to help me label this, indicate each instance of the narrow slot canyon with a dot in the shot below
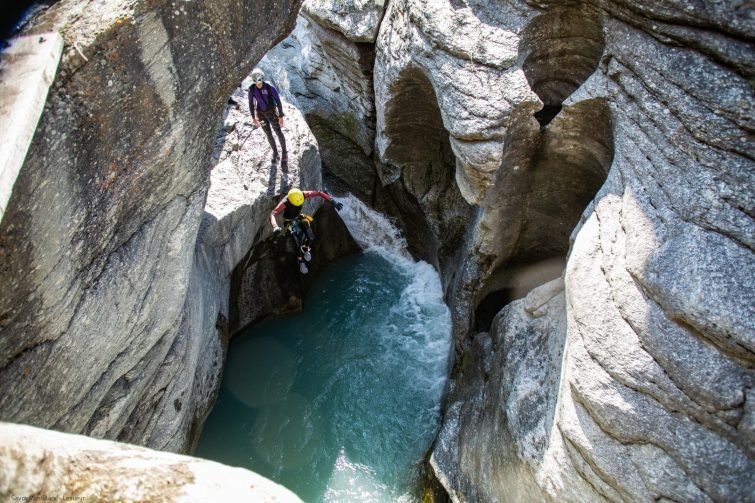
(529, 274)
(431, 208)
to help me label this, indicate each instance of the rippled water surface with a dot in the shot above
(341, 401)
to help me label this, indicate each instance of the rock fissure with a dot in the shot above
(688, 405)
(656, 393)
(625, 442)
(19, 355)
(703, 413)
(682, 37)
(634, 430)
(697, 103)
(575, 450)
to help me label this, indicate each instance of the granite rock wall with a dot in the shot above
(98, 240)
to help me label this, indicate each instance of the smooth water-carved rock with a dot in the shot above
(99, 234)
(629, 378)
(507, 389)
(466, 98)
(476, 87)
(422, 150)
(561, 49)
(530, 183)
(358, 20)
(651, 397)
(548, 178)
(329, 77)
(48, 465)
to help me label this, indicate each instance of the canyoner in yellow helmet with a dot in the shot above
(296, 223)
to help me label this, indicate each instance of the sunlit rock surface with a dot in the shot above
(635, 382)
(48, 465)
(99, 235)
(604, 153)
(609, 147)
(244, 187)
(329, 77)
(358, 20)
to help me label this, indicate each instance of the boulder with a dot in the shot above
(48, 465)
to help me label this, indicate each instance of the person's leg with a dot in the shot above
(307, 243)
(296, 236)
(279, 133)
(300, 254)
(265, 122)
(308, 231)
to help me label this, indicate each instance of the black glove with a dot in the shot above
(277, 231)
(337, 205)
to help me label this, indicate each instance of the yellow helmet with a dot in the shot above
(296, 197)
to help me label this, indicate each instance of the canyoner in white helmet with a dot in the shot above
(266, 108)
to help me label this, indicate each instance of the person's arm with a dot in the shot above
(317, 193)
(277, 100)
(253, 106)
(277, 211)
(278, 105)
(324, 195)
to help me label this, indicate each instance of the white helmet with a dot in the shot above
(258, 75)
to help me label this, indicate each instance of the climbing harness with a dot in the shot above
(301, 232)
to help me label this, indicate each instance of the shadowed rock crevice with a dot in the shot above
(542, 196)
(341, 156)
(419, 146)
(266, 281)
(561, 49)
(414, 124)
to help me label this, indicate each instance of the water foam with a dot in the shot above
(371, 351)
(372, 230)
(421, 303)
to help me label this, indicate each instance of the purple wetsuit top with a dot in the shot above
(265, 100)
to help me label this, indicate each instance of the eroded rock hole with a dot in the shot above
(413, 123)
(562, 48)
(558, 177)
(489, 307)
(546, 114)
